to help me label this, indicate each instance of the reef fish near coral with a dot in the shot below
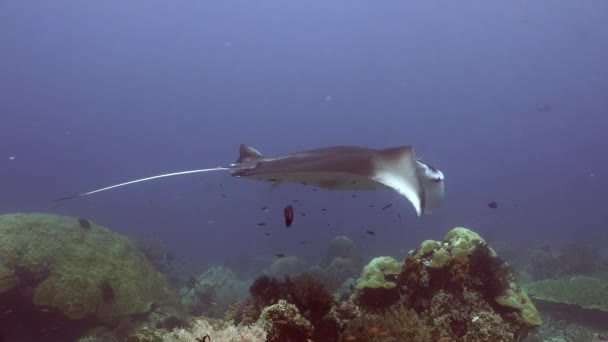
(336, 168)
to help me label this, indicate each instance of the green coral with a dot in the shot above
(8, 280)
(381, 272)
(463, 241)
(582, 291)
(521, 302)
(440, 258)
(426, 247)
(82, 271)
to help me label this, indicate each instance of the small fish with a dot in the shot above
(545, 108)
(302, 214)
(288, 214)
(315, 189)
(371, 205)
(353, 196)
(492, 205)
(370, 232)
(387, 206)
(324, 209)
(398, 215)
(265, 209)
(261, 224)
(302, 242)
(295, 200)
(280, 255)
(223, 195)
(84, 223)
(267, 234)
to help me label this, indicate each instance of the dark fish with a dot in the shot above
(107, 292)
(288, 214)
(302, 214)
(324, 209)
(398, 215)
(545, 108)
(387, 206)
(492, 205)
(267, 234)
(353, 196)
(223, 195)
(302, 242)
(371, 205)
(84, 223)
(315, 189)
(280, 255)
(262, 224)
(264, 208)
(296, 200)
(370, 232)
(170, 257)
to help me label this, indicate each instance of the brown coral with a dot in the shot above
(395, 324)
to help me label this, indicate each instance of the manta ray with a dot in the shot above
(335, 168)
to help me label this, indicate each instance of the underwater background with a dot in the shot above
(508, 99)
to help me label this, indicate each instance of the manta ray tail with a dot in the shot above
(220, 168)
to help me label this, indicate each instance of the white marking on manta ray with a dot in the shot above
(335, 168)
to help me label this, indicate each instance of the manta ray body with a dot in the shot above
(336, 168)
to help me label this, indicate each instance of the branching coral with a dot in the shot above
(217, 331)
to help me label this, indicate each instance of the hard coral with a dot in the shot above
(310, 296)
(284, 322)
(395, 324)
(266, 290)
(64, 265)
(466, 318)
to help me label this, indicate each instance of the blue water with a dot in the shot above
(97, 93)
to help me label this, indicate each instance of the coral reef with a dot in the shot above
(340, 247)
(212, 292)
(395, 324)
(287, 266)
(309, 299)
(8, 280)
(458, 283)
(582, 291)
(79, 272)
(342, 260)
(574, 258)
(207, 330)
(467, 317)
(284, 322)
(378, 283)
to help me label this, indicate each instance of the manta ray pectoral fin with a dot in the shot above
(396, 168)
(219, 168)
